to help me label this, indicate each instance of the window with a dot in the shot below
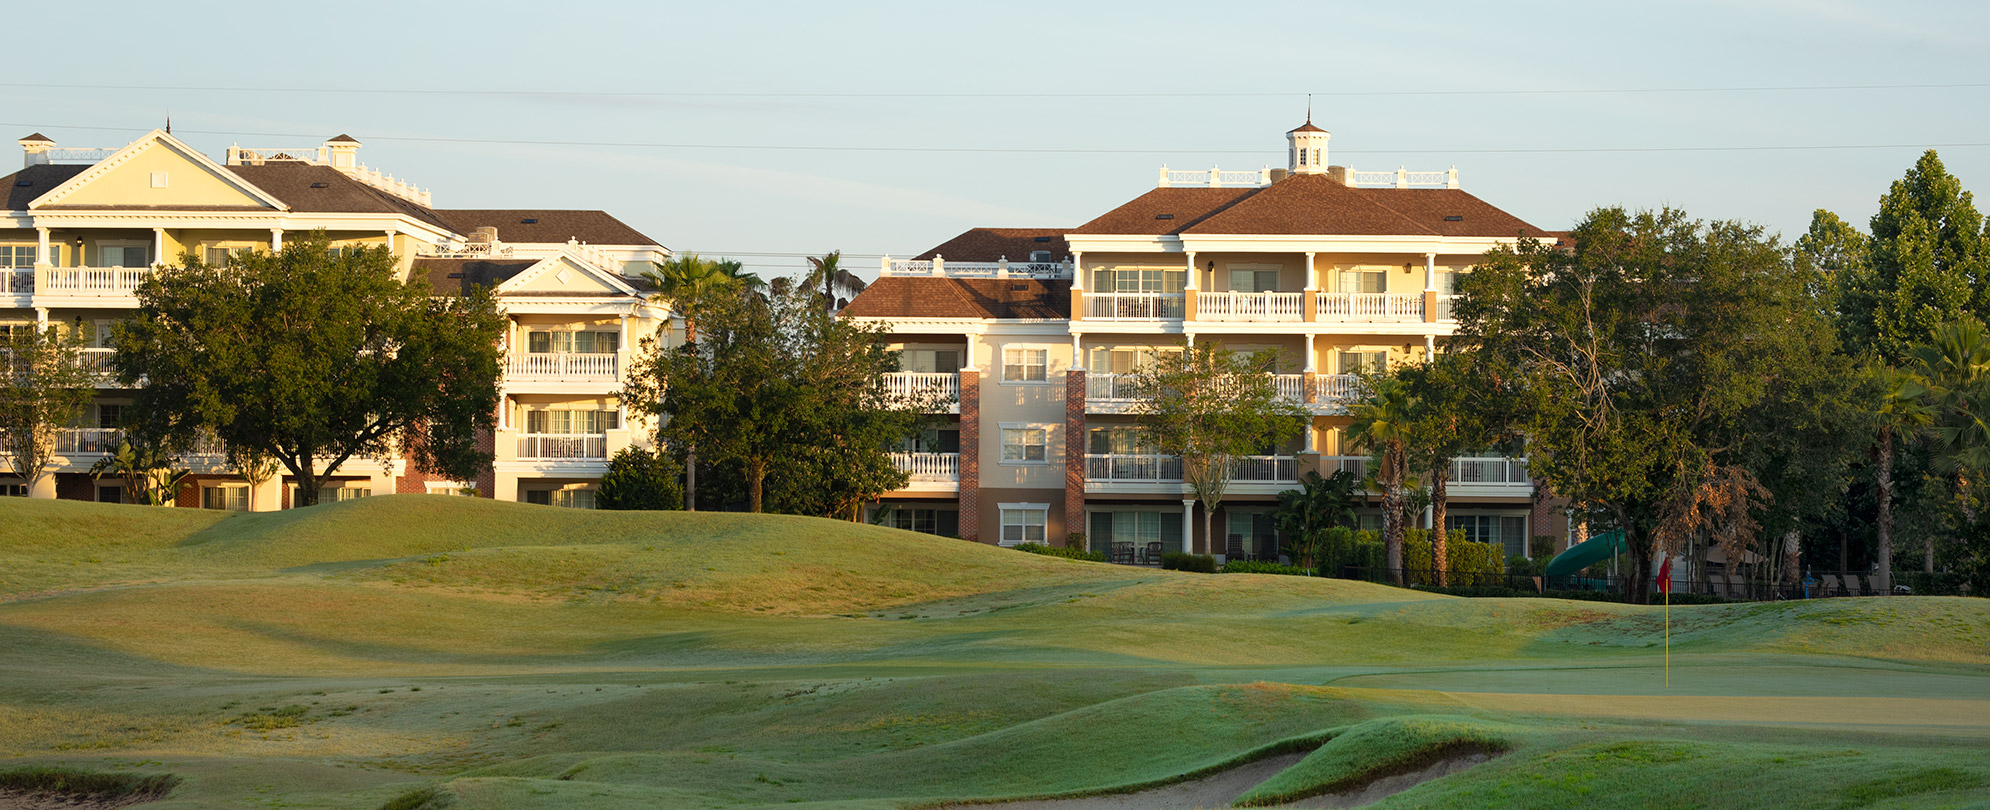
(334, 494)
(1119, 440)
(930, 440)
(568, 498)
(929, 361)
(1136, 527)
(1447, 282)
(570, 422)
(944, 522)
(1025, 365)
(1364, 361)
(1024, 522)
(232, 498)
(1139, 279)
(457, 488)
(13, 490)
(1039, 257)
(1507, 530)
(110, 494)
(1364, 280)
(1253, 280)
(124, 256)
(1025, 445)
(584, 342)
(1302, 157)
(1253, 531)
(1126, 359)
(17, 257)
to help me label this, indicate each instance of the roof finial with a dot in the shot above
(1309, 108)
(169, 122)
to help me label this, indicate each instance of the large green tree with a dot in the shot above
(1457, 410)
(44, 384)
(1645, 353)
(1925, 267)
(1210, 406)
(1383, 419)
(313, 358)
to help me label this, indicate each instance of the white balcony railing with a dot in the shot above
(69, 441)
(91, 280)
(563, 446)
(1337, 389)
(923, 386)
(1263, 469)
(1403, 178)
(1132, 467)
(1489, 471)
(1250, 306)
(1445, 303)
(1291, 387)
(1133, 306)
(1215, 177)
(1371, 306)
(562, 366)
(1109, 387)
(1003, 268)
(17, 281)
(98, 361)
(1356, 466)
(929, 467)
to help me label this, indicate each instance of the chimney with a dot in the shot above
(1278, 174)
(36, 148)
(1338, 174)
(343, 152)
(486, 235)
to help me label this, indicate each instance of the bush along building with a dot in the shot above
(1032, 332)
(85, 227)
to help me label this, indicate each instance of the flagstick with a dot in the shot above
(1668, 638)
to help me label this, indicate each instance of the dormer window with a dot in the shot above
(1040, 256)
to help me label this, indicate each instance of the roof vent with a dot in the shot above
(1018, 287)
(1164, 216)
(321, 185)
(1454, 218)
(529, 221)
(21, 183)
(1043, 239)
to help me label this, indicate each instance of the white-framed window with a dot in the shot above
(1508, 529)
(232, 497)
(1139, 279)
(1025, 364)
(589, 422)
(457, 488)
(584, 341)
(1364, 279)
(220, 254)
(1253, 278)
(1137, 526)
(124, 254)
(929, 361)
(1025, 444)
(1126, 359)
(1358, 361)
(567, 498)
(1447, 281)
(1024, 523)
(332, 494)
(945, 522)
(17, 257)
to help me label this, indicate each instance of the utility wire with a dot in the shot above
(814, 94)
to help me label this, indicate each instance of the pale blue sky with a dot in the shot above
(1427, 85)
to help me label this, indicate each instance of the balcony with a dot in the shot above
(1250, 306)
(1155, 468)
(940, 389)
(932, 468)
(90, 281)
(1444, 307)
(1264, 469)
(17, 282)
(1133, 306)
(563, 367)
(1490, 471)
(1366, 307)
(563, 446)
(1113, 393)
(83, 441)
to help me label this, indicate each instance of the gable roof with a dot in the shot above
(458, 276)
(159, 138)
(941, 297)
(311, 188)
(1316, 204)
(994, 244)
(1165, 211)
(40, 180)
(550, 226)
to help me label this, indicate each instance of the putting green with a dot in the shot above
(509, 656)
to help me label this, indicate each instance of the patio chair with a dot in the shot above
(1153, 554)
(1122, 552)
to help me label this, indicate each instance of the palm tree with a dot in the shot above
(1903, 409)
(1320, 503)
(1381, 423)
(826, 273)
(1955, 367)
(687, 279)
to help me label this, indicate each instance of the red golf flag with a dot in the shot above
(1665, 575)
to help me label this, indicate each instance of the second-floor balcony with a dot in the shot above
(1250, 306)
(563, 446)
(1133, 306)
(90, 281)
(562, 367)
(929, 468)
(1366, 307)
(941, 390)
(1157, 468)
(17, 281)
(85, 441)
(1113, 393)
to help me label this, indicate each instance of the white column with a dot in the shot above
(1430, 272)
(41, 319)
(1077, 353)
(1191, 270)
(275, 239)
(158, 246)
(1429, 347)
(973, 351)
(1077, 270)
(41, 248)
(1188, 525)
(504, 413)
(1312, 278)
(1312, 365)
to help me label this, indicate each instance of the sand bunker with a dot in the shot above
(1393, 784)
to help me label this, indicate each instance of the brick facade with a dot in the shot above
(970, 454)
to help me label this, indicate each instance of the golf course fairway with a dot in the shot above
(432, 652)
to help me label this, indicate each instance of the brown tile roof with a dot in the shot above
(37, 137)
(1306, 127)
(548, 225)
(40, 180)
(1315, 204)
(297, 185)
(457, 276)
(936, 297)
(993, 244)
(1181, 207)
(343, 139)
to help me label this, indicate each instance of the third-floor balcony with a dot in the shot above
(563, 446)
(1133, 306)
(562, 367)
(1114, 393)
(1369, 307)
(1251, 306)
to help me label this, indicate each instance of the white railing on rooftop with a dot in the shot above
(386, 182)
(1133, 306)
(90, 280)
(928, 467)
(17, 281)
(72, 154)
(1001, 268)
(562, 366)
(1250, 306)
(240, 156)
(941, 389)
(1403, 178)
(1215, 177)
(1334, 306)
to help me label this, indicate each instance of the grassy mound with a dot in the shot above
(1377, 748)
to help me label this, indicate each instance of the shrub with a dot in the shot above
(640, 479)
(1347, 547)
(1467, 562)
(1196, 563)
(1067, 552)
(72, 783)
(1264, 567)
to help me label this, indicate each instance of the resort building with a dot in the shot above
(1032, 331)
(84, 227)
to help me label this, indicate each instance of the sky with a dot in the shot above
(766, 131)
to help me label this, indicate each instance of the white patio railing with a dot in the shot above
(1291, 387)
(85, 440)
(1133, 306)
(1109, 386)
(17, 281)
(1337, 389)
(98, 361)
(1261, 469)
(556, 446)
(91, 280)
(1215, 177)
(929, 467)
(1338, 306)
(923, 386)
(1001, 268)
(1132, 467)
(563, 366)
(1490, 470)
(1356, 466)
(1250, 306)
(1445, 305)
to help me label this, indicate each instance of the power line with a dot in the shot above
(839, 94)
(1059, 150)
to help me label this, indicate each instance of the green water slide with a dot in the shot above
(1590, 552)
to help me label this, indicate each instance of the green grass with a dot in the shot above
(446, 652)
(74, 783)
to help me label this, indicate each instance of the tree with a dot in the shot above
(1955, 369)
(314, 358)
(1382, 423)
(1209, 405)
(1320, 503)
(1926, 264)
(640, 478)
(1643, 357)
(148, 470)
(827, 274)
(45, 385)
(1456, 411)
(692, 283)
(255, 466)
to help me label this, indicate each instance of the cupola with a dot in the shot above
(1306, 148)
